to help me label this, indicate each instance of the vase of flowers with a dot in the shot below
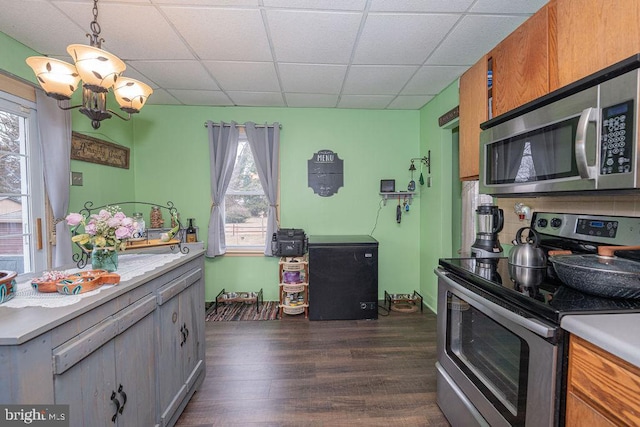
(105, 233)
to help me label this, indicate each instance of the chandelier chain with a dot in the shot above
(95, 38)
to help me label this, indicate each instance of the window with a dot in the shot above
(21, 187)
(245, 203)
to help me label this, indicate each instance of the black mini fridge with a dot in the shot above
(343, 277)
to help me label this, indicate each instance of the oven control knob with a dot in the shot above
(542, 223)
(556, 222)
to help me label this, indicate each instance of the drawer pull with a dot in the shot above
(115, 400)
(124, 398)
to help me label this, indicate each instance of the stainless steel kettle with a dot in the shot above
(527, 254)
(527, 262)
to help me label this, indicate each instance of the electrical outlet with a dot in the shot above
(76, 178)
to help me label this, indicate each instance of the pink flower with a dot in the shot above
(127, 222)
(113, 222)
(119, 215)
(74, 219)
(91, 228)
(122, 233)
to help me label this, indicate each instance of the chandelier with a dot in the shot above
(99, 71)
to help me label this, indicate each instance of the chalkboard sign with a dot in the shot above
(325, 172)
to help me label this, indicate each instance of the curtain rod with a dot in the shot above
(241, 126)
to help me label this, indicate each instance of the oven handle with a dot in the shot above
(587, 116)
(533, 325)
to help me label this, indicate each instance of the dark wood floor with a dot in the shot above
(295, 372)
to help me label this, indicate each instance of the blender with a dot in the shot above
(489, 222)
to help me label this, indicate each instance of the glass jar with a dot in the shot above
(156, 217)
(139, 225)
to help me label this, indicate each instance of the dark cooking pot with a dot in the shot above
(602, 275)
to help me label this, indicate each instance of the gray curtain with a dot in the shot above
(54, 127)
(265, 146)
(223, 148)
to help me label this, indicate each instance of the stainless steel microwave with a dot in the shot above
(583, 137)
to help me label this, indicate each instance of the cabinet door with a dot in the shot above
(593, 34)
(180, 339)
(522, 62)
(135, 372)
(473, 111)
(87, 388)
(106, 374)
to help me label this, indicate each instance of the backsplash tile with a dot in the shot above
(624, 205)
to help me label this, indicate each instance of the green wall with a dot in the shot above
(436, 201)
(169, 161)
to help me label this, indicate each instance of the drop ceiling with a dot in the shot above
(372, 54)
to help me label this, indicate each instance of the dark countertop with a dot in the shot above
(345, 240)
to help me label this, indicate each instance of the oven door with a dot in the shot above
(503, 367)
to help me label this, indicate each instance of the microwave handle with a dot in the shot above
(587, 116)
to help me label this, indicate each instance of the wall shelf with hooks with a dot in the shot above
(395, 194)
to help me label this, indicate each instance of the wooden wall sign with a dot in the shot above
(450, 115)
(325, 173)
(94, 150)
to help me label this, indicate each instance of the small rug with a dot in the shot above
(242, 311)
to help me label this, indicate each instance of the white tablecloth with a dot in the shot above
(129, 266)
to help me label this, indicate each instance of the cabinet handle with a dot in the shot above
(124, 398)
(184, 337)
(115, 400)
(186, 330)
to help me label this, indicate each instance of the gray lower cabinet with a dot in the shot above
(112, 384)
(133, 355)
(180, 344)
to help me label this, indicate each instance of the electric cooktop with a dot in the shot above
(490, 277)
(541, 292)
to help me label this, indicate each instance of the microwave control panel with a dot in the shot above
(616, 142)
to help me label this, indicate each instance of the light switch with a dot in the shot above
(76, 178)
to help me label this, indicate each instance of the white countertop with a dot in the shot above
(619, 334)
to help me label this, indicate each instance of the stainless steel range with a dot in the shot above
(501, 352)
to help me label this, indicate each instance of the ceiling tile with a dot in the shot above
(401, 39)
(317, 4)
(257, 99)
(377, 80)
(459, 48)
(201, 97)
(507, 6)
(162, 97)
(40, 26)
(232, 3)
(176, 74)
(312, 78)
(324, 53)
(409, 102)
(430, 80)
(244, 76)
(222, 34)
(420, 5)
(126, 35)
(369, 102)
(313, 37)
(311, 100)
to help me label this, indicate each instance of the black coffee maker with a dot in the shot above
(489, 222)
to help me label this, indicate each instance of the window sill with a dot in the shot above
(244, 252)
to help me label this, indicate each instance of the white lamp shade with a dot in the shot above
(59, 79)
(98, 68)
(131, 94)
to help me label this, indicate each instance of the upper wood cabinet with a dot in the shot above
(473, 111)
(593, 34)
(524, 64)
